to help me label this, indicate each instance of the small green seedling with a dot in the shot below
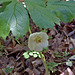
(71, 48)
(50, 37)
(2, 47)
(61, 56)
(52, 66)
(70, 61)
(8, 70)
(28, 53)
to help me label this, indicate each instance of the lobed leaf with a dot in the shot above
(1, 1)
(4, 6)
(52, 0)
(14, 18)
(42, 17)
(64, 10)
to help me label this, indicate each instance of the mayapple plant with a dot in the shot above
(37, 41)
(44, 13)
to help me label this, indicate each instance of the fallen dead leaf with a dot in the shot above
(67, 72)
(28, 71)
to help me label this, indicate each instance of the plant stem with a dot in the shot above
(44, 62)
(42, 58)
(30, 30)
(18, 41)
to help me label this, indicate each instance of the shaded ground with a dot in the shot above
(61, 48)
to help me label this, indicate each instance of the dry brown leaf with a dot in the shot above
(36, 72)
(2, 72)
(67, 72)
(73, 41)
(37, 62)
(29, 71)
(18, 48)
(14, 42)
(7, 42)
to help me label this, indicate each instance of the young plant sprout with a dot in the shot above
(37, 41)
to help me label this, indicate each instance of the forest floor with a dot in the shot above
(60, 54)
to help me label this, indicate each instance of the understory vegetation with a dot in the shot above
(37, 37)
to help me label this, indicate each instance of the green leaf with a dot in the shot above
(69, 63)
(40, 56)
(52, 65)
(26, 55)
(52, 0)
(8, 70)
(59, 56)
(35, 55)
(56, 52)
(34, 51)
(31, 53)
(66, 54)
(64, 10)
(42, 17)
(72, 57)
(37, 2)
(2, 47)
(1, 1)
(71, 48)
(14, 18)
(4, 6)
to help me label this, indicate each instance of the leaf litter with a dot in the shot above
(61, 48)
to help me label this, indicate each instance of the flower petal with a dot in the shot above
(31, 42)
(33, 45)
(43, 35)
(44, 44)
(38, 47)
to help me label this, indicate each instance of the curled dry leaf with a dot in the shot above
(2, 72)
(36, 72)
(37, 62)
(73, 41)
(28, 71)
(67, 72)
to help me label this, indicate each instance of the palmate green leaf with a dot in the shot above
(4, 6)
(8, 70)
(64, 10)
(1, 1)
(41, 16)
(14, 18)
(36, 2)
(52, 0)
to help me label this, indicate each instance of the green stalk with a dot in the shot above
(42, 58)
(44, 62)
(30, 30)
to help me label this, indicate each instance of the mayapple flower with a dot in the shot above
(37, 41)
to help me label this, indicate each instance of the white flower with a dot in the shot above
(37, 41)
